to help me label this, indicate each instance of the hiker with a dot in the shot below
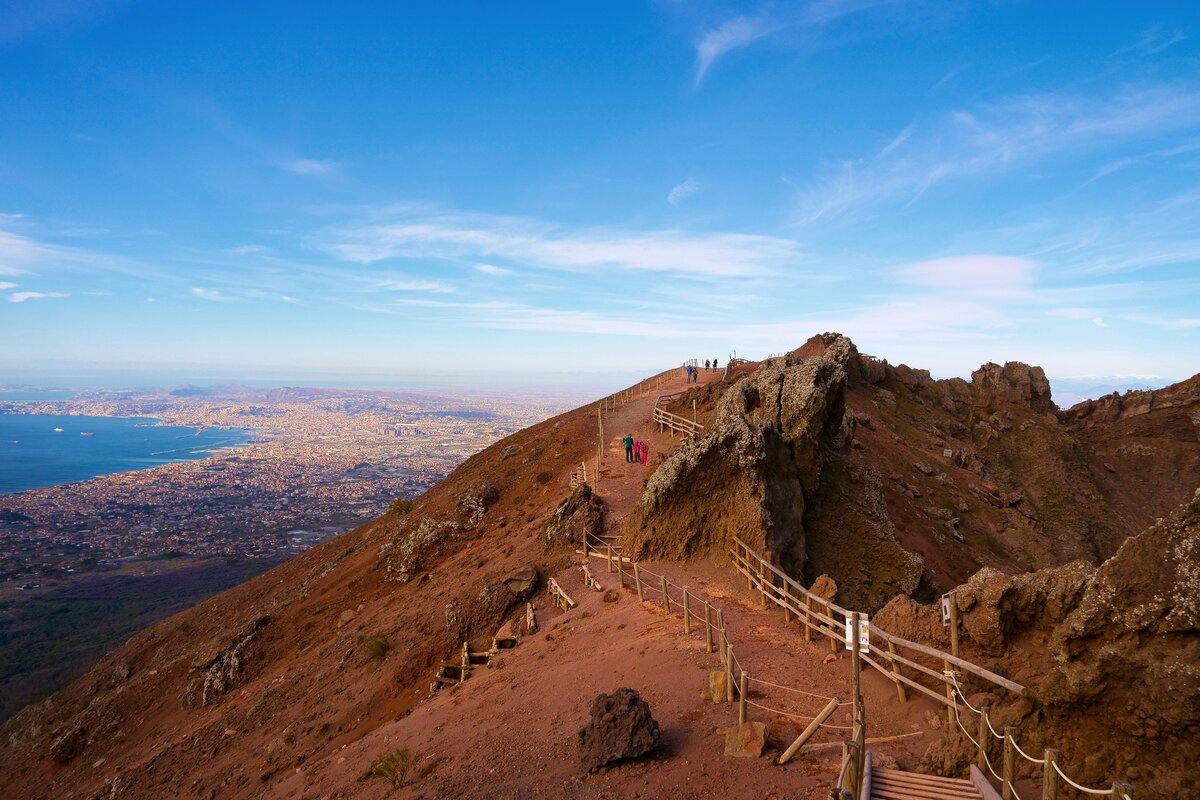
(695, 375)
(714, 363)
(689, 372)
(645, 452)
(628, 442)
(706, 365)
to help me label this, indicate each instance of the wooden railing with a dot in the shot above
(676, 423)
(828, 619)
(579, 475)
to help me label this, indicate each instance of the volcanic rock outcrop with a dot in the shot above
(1110, 656)
(621, 727)
(772, 467)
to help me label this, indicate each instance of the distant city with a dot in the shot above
(318, 462)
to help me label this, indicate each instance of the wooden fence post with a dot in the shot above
(762, 585)
(687, 622)
(1009, 764)
(728, 669)
(742, 700)
(666, 597)
(946, 667)
(807, 618)
(708, 627)
(620, 572)
(585, 544)
(721, 634)
(901, 693)
(795, 746)
(1050, 776)
(833, 634)
(610, 567)
(787, 602)
(981, 739)
(637, 581)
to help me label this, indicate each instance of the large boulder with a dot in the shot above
(621, 727)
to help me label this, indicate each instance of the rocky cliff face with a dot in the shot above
(773, 472)
(1110, 656)
(890, 481)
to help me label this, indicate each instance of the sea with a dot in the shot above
(34, 454)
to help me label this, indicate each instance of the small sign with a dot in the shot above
(945, 611)
(864, 634)
(948, 453)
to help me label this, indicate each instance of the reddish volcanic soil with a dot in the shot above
(509, 730)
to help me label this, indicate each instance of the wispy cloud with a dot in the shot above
(249, 250)
(729, 36)
(310, 166)
(493, 270)
(416, 233)
(1153, 41)
(7, 285)
(996, 137)
(212, 295)
(976, 275)
(715, 42)
(683, 191)
(406, 285)
(21, 297)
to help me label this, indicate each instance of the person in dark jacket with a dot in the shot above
(628, 442)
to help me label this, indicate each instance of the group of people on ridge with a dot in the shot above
(636, 452)
(693, 373)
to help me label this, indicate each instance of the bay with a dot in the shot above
(33, 454)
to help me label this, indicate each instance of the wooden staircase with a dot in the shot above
(452, 674)
(895, 784)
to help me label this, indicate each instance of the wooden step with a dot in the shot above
(503, 643)
(894, 784)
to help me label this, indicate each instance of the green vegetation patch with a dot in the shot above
(376, 647)
(399, 767)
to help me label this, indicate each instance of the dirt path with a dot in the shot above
(621, 482)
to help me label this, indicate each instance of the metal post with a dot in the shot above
(953, 625)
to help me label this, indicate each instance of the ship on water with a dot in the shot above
(86, 433)
(58, 430)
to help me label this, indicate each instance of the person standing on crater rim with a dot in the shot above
(628, 442)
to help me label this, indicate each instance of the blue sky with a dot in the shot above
(364, 190)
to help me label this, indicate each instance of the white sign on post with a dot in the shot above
(945, 611)
(948, 453)
(864, 634)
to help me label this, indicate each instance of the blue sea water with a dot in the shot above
(33, 454)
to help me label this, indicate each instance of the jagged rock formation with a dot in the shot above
(772, 468)
(1110, 656)
(834, 462)
(580, 515)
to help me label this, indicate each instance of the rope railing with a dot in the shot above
(652, 586)
(818, 614)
